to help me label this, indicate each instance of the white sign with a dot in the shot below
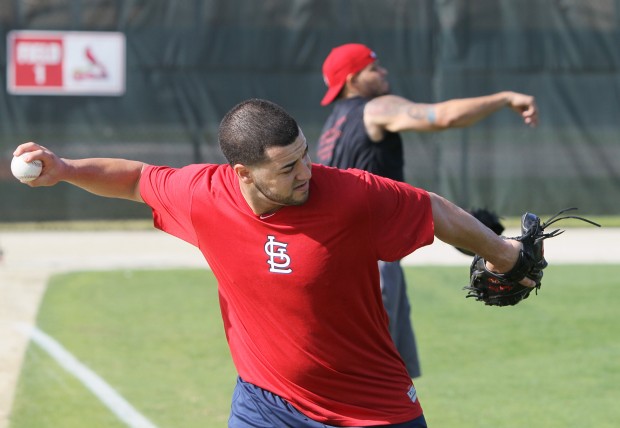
(65, 63)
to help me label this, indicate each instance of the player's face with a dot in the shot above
(284, 179)
(372, 81)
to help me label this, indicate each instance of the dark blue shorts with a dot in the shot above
(257, 408)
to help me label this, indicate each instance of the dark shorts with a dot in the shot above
(257, 408)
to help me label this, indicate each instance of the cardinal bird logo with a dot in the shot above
(94, 68)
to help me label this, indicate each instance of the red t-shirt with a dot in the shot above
(299, 290)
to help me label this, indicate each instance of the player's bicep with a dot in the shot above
(136, 194)
(397, 114)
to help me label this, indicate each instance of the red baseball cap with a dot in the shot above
(342, 61)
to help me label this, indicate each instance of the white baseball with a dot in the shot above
(25, 171)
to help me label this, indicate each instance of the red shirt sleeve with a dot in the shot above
(168, 191)
(401, 224)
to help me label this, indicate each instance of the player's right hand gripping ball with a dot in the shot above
(25, 171)
(504, 289)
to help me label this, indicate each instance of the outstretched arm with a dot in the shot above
(457, 227)
(112, 178)
(467, 111)
(396, 114)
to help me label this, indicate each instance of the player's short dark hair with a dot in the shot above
(253, 126)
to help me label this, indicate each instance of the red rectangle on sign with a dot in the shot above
(38, 62)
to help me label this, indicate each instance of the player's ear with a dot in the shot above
(243, 173)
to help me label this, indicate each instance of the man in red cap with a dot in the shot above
(363, 132)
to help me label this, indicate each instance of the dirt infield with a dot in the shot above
(29, 258)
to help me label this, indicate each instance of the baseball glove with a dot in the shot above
(489, 219)
(504, 289)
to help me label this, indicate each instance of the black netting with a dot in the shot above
(189, 62)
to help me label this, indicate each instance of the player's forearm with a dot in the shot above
(457, 227)
(113, 178)
(462, 112)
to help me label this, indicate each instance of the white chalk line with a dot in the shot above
(104, 392)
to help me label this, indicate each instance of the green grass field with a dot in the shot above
(157, 338)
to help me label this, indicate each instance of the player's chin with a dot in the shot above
(303, 197)
(301, 194)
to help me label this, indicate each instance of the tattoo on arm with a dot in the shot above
(422, 111)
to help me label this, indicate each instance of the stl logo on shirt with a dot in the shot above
(278, 260)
